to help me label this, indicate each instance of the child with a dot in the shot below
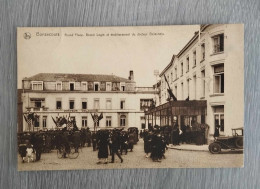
(29, 151)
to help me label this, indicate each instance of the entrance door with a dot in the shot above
(219, 118)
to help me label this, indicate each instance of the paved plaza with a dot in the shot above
(87, 159)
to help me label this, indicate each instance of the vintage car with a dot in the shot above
(234, 142)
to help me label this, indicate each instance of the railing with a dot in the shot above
(145, 89)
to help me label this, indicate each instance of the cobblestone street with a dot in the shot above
(174, 159)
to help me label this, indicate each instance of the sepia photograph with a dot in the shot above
(130, 97)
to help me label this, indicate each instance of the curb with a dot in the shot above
(188, 149)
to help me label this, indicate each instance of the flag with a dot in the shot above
(100, 116)
(69, 124)
(95, 118)
(54, 121)
(169, 90)
(29, 121)
(171, 94)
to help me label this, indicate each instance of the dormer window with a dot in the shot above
(72, 86)
(37, 85)
(96, 86)
(108, 86)
(84, 86)
(122, 86)
(58, 86)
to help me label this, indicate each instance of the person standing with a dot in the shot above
(216, 133)
(131, 140)
(94, 140)
(102, 139)
(115, 146)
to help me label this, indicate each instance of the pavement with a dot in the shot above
(190, 147)
(87, 159)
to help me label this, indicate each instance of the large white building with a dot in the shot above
(78, 95)
(210, 67)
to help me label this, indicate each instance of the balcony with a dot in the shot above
(35, 109)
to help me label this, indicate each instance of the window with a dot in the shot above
(203, 83)
(182, 95)
(58, 86)
(109, 104)
(218, 43)
(84, 121)
(37, 102)
(44, 121)
(71, 86)
(195, 86)
(96, 86)
(84, 104)
(145, 103)
(108, 86)
(58, 104)
(181, 68)
(219, 117)
(122, 120)
(108, 121)
(188, 64)
(188, 87)
(122, 86)
(202, 51)
(175, 91)
(219, 79)
(122, 104)
(96, 103)
(71, 104)
(84, 86)
(194, 58)
(142, 121)
(37, 121)
(37, 85)
(175, 72)
(162, 85)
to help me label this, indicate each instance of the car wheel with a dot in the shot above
(239, 143)
(214, 148)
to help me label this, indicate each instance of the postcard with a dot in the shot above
(130, 97)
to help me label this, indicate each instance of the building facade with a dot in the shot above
(210, 67)
(77, 96)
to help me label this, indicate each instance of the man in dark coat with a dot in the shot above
(94, 141)
(102, 141)
(37, 142)
(115, 146)
(123, 142)
(216, 133)
(147, 142)
(131, 141)
(175, 136)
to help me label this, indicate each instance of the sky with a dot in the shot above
(100, 50)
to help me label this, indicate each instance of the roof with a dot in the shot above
(195, 36)
(168, 66)
(76, 77)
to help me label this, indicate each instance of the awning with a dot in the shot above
(181, 107)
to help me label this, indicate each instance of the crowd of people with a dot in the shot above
(106, 141)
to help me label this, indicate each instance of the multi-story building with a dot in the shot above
(121, 103)
(210, 67)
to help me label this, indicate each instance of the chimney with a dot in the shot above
(131, 75)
